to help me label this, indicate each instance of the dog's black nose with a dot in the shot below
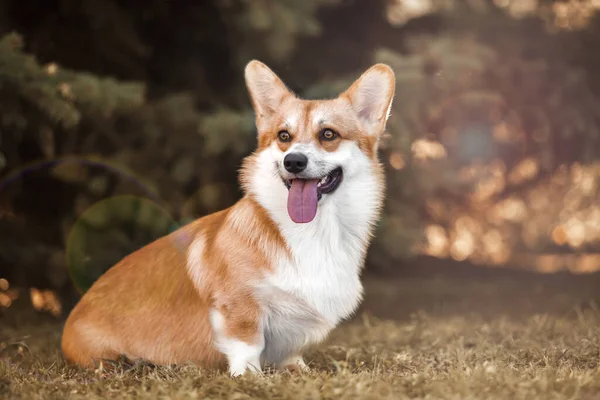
(295, 162)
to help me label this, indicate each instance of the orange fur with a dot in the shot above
(148, 307)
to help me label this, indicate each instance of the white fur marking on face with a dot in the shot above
(195, 263)
(292, 121)
(319, 116)
(321, 162)
(241, 356)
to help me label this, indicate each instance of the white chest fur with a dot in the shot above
(319, 286)
(325, 267)
(315, 290)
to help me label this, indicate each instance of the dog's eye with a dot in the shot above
(284, 136)
(328, 134)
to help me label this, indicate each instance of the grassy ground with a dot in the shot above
(515, 337)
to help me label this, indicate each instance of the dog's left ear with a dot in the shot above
(266, 90)
(371, 97)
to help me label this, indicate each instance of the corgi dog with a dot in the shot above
(258, 283)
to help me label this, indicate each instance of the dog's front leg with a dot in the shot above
(239, 336)
(242, 356)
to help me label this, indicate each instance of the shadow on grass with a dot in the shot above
(447, 288)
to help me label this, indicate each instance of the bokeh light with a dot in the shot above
(45, 300)
(7, 294)
(562, 210)
(565, 15)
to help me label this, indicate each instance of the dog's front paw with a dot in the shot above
(241, 369)
(294, 364)
(296, 368)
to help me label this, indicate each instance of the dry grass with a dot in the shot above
(507, 338)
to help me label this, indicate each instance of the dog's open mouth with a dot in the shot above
(304, 194)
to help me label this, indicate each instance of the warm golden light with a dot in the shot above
(575, 230)
(490, 181)
(37, 300)
(548, 264)
(424, 149)
(45, 300)
(559, 235)
(401, 11)
(494, 247)
(6, 295)
(512, 209)
(592, 224)
(587, 263)
(562, 209)
(5, 300)
(437, 241)
(588, 183)
(565, 15)
(504, 133)
(486, 210)
(524, 171)
(463, 244)
(51, 69)
(574, 263)
(396, 160)
(573, 14)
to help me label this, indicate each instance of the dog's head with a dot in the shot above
(310, 150)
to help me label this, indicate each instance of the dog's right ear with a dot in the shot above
(371, 96)
(266, 90)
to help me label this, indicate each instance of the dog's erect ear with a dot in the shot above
(266, 90)
(371, 97)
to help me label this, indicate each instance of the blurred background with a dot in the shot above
(122, 120)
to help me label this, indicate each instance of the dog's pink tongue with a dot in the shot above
(302, 200)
